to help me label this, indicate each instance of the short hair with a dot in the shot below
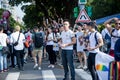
(92, 24)
(66, 20)
(1, 27)
(17, 28)
(36, 28)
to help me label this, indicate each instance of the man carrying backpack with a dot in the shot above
(38, 47)
(95, 42)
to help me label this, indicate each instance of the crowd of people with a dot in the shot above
(62, 42)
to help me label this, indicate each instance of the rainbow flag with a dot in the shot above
(114, 71)
(102, 61)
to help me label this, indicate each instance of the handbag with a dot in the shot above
(16, 43)
(5, 50)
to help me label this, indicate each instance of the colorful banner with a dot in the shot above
(102, 65)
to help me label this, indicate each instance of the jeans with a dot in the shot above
(20, 58)
(91, 66)
(67, 60)
(3, 61)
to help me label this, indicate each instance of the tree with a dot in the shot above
(102, 8)
(53, 9)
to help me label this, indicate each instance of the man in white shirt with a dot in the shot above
(67, 41)
(115, 33)
(19, 37)
(95, 41)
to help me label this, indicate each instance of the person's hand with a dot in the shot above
(63, 45)
(89, 49)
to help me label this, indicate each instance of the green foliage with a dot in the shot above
(102, 8)
(51, 9)
(100, 27)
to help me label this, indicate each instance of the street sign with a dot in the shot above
(82, 1)
(83, 17)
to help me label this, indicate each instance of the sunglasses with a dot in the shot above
(117, 23)
(65, 24)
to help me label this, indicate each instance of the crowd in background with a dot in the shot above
(60, 42)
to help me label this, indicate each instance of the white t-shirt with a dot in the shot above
(114, 39)
(3, 38)
(50, 39)
(66, 37)
(104, 31)
(14, 37)
(92, 41)
(80, 47)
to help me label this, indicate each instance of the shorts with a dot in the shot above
(38, 52)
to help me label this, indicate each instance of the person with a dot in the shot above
(28, 48)
(117, 50)
(49, 48)
(81, 47)
(66, 43)
(115, 33)
(56, 35)
(38, 48)
(18, 37)
(106, 34)
(3, 57)
(95, 42)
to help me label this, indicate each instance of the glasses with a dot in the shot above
(65, 24)
(117, 23)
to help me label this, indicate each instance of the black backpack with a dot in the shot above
(38, 41)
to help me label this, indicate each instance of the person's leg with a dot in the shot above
(80, 59)
(1, 62)
(18, 59)
(5, 62)
(91, 65)
(40, 52)
(34, 54)
(85, 60)
(22, 58)
(69, 54)
(65, 64)
(26, 55)
(50, 53)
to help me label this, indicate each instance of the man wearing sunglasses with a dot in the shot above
(115, 33)
(66, 43)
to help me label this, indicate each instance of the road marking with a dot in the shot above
(13, 76)
(84, 75)
(48, 75)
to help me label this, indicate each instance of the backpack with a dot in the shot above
(38, 41)
(108, 40)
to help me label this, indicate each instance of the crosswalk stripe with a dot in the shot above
(13, 76)
(48, 75)
(84, 75)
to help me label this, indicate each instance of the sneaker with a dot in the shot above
(52, 66)
(39, 68)
(1, 71)
(80, 66)
(49, 66)
(36, 65)
(5, 70)
(85, 67)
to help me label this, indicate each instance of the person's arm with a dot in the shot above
(100, 43)
(110, 20)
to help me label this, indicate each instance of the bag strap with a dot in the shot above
(18, 37)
